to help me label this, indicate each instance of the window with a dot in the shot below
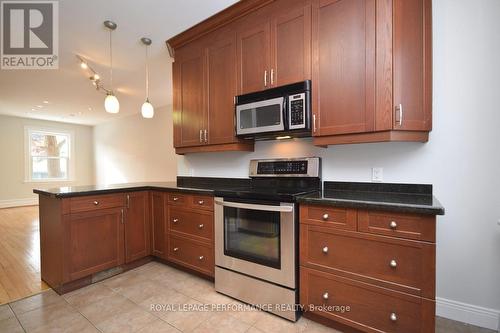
(48, 155)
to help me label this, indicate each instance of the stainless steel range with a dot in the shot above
(256, 234)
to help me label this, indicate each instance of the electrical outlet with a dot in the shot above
(377, 174)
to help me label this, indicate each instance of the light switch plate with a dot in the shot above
(377, 174)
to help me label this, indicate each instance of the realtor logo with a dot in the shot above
(29, 35)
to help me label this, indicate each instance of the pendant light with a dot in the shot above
(147, 109)
(111, 103)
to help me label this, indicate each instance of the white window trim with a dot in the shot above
(28, 130)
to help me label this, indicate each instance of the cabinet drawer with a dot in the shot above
(339, 218)
(204, 202)
(86, 203)
(191, 254)
(402, 265)
(410, 226)
(364, 306)
(178, 199)
(191, 223)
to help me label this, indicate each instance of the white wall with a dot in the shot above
(461, 159)
(13, 188)
(134, 149)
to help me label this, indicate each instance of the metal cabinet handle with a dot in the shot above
(176, 249)
(201, 135)
(96, 202)
(206, 135)
(326, 216)
(200, 226)
(122, 217)
(325, 296)
(175, 199)
(201, 202)
(399, 110)
(393, 263)
(314, 123)
(393, 317)
(393, 225)
(128, 201)
(325, 249)
(201, 257)
(265, 78)
(272, 76)
(175, 220)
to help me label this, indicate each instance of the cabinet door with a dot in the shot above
(137, 226)
(291, 45)
(343, 66)
(94, 242)
(412, 64)
(253, 39)
(158, 219)
(189, 90)
(222, 87)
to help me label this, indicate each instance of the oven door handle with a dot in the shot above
(267, 208)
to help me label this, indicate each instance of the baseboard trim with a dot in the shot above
(468, 313)
(18, 202)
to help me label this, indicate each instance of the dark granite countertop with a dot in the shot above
(407, 198)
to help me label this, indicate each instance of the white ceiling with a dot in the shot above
(70, 94)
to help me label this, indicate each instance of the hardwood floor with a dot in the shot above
(19, 254)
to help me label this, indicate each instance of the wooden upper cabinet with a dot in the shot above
(222, 87)
(189, 96)
(137, 226)
(344, 66)
(412, 64)
(291, 44)
(254, 54)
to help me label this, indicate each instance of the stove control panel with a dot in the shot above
(297, 167)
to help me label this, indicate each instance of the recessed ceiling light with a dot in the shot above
(45, 102)
(33, 109)
(39, 106)
(89, 108)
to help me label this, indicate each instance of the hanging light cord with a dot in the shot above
(147, 72)
(111, 59)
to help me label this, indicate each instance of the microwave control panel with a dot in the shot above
(297, 111)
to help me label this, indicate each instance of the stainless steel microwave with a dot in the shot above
(279, 112)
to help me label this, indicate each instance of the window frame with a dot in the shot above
(28, 159)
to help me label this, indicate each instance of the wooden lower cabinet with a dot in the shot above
(378, 264)
(137, 226)
(94, 242)
(364, 306)
(192, 254)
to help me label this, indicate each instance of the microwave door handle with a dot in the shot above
(285, 112)
(266, 208)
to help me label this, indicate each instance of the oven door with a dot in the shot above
(257, 239)
(260, 117)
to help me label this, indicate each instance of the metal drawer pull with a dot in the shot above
(393, 225)
(394, 317)
(200, 226)
(96, 202)
(393, 263)
(325, 249)
(176, 249)
(175, 199)
(175, 220)
(325, 296)
(201, 202)
(325, 216)
(201, 257)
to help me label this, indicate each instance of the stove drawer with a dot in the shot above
(191, 224)
(403, 265)
(332, 217)
(364, 306)
(410, 226)
(191, 254)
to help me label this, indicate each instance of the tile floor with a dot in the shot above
(123, 304)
